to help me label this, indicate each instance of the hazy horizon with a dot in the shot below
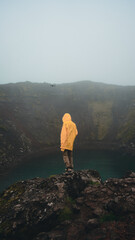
(61, 42)
(53, 84)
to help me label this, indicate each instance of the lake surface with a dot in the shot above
(109, 164)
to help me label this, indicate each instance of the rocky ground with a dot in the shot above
(76, 206)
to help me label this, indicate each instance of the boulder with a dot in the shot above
(76, 206)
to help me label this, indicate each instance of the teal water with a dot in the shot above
(108, 164)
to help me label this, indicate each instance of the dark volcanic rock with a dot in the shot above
(69, 206)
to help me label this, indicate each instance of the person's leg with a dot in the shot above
(66, 159)
(70, 156)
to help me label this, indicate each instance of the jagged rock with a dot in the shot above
(75, 206)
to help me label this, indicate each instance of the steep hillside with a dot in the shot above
(31, 113)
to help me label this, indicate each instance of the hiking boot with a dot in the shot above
(70, 170)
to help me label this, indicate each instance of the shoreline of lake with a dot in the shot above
(108, 163)
(98, 146)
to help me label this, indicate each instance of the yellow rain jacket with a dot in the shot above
(68, 133)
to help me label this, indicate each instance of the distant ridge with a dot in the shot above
(68, 83)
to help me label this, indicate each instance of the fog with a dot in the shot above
(67, 41)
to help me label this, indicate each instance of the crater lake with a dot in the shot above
(109, 164)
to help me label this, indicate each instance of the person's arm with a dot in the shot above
(63, 137)
(76, 130)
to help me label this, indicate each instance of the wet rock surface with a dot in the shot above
(75, 206)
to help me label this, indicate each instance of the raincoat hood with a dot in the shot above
(66, 117)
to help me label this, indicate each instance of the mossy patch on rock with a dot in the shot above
(10, 196)
(127, 130)
(102, 118)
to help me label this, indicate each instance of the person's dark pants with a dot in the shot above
(68, 159)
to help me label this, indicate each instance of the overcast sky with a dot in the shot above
(58, 41)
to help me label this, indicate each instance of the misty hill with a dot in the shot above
(31, 113)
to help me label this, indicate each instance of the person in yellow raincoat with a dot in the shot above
(67, 137)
